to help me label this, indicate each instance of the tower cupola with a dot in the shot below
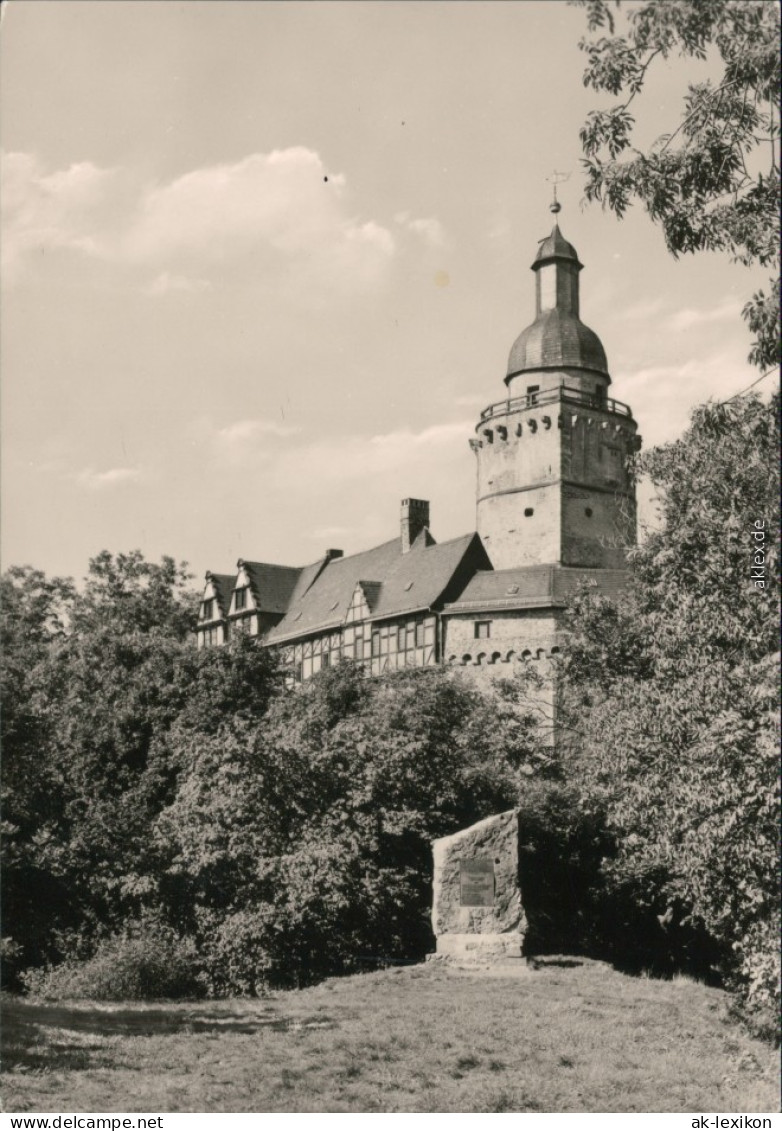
(553, 482)
(557, 340)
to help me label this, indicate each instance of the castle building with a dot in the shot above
(555, 509)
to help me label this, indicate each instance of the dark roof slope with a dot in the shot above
(546, 586)
(272, 585)
(557, 339)
(402, 583)
(555, 246)
(223, 584)
(371, 591)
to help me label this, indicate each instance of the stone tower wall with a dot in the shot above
(519, 467)
(553, 485)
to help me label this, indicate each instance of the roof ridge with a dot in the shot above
(269, 565)
(450, 541)
(380, 545)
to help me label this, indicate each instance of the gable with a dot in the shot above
(272, 586)
(216, 597)
(242, 597)
(363, 601)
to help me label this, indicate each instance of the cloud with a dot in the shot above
(283, 200)
(353, 484)
(689, 318)
(500, 229)
(46, 211)
(323, 464)
(326, 464)
(103, 480)
(642, 311)
(283, 203)
(242, 430)
(248, 443)
(663, 396)
(322, 532)
(167, 283)
(428, 228)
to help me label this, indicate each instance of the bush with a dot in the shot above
(560, 853)
(142, 963)
(582, 897)
(758, 977)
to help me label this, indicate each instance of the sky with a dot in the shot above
(263, 263)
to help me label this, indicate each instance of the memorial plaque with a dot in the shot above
(477, 882)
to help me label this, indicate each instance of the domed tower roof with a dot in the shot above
(557, 339)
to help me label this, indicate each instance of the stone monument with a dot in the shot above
(477, 914)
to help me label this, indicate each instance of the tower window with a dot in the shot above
(532, 394)
(528, 512)
(588, 512)
(482, 629)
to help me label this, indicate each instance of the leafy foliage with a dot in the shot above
(674, 694)
(144, 962)
(93, 682)
(303, 842)
(712, 183)
(279, 835)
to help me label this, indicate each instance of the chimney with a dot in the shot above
(415, 518)
(332, 554)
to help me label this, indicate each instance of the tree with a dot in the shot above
(713, 181)
(674, 695)
(126, 594)
(36, 613)
(300, 845)
(94, 682)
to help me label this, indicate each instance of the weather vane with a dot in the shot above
(554, 180)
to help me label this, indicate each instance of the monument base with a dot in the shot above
(468, 948)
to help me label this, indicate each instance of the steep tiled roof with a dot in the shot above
(533, 587)
(273, 585)
(223, 584)
(427, 573)
(555, 246)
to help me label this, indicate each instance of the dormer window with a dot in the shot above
(240, 598)
(208, 610)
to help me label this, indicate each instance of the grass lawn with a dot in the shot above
(415, 1039)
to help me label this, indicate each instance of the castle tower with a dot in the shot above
(553, 485)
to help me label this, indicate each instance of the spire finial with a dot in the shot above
(554, 180)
